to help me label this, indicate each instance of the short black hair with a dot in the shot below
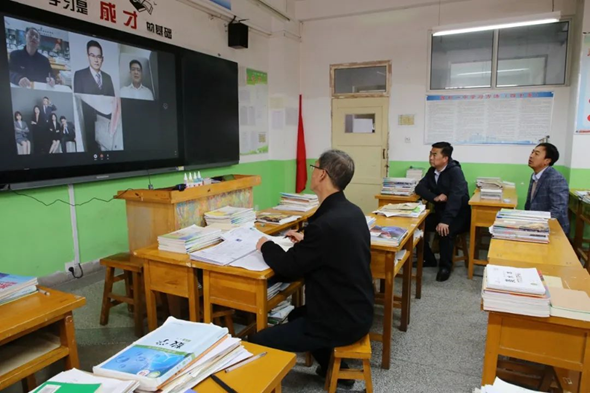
(16, 114)
(62, 118)
(550, 152)
(53, 114)
(339, 167)
(31, 28)
(93, 43)
(447, 149)
(135, 62)
(46, 98)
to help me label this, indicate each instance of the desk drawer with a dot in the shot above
(168, 278)
(233, 291)
(484, 216)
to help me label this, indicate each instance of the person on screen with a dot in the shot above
(47, 108)
(54, 134)
(68, 133)
(92, 80)
(548, 189)
(21, 131)
(136, 89)
(28, 65)
(37, 130)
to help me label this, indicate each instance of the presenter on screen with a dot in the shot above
(92, 80)
(27, 65)
(136, 89)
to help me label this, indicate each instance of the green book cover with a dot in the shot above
(62, 387)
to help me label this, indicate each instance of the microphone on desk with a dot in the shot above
(179, 187)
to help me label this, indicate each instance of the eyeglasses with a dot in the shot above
(92, 55)
(321, 169)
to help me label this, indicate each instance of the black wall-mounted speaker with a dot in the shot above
(237, 35)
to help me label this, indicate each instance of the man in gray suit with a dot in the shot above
(548, 189)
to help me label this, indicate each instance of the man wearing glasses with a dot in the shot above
(334, 259)
(444, 186)
(92, 80)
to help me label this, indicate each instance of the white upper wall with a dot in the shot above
(399, 32)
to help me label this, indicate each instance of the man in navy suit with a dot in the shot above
(548, 189)
(68, 133)
(46, 110)
(92, 80)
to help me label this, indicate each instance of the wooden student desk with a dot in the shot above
(559, 342)
(557, 252)
(383, 267)
(576, 210)
(263, 375)
(384, 199)
(237, 288)
(272, 229)
(483, 215)
(25, 317)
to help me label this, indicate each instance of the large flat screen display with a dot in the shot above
(74, 103)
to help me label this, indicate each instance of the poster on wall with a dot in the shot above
(253, 103)
(482, 119)
(583, 116)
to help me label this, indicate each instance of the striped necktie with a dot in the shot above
(99, 80)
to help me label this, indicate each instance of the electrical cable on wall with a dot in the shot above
(70, 204)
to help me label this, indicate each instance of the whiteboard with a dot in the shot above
(480, 119)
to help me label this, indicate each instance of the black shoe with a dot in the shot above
(443, 274)
(347, 383)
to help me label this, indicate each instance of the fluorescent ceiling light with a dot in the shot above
(529, 20)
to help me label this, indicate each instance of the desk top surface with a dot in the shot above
(571, 277)
(35, 309)
(398, 198)
(261, 375)
(509, 199)
(557, 252)
(411, 223)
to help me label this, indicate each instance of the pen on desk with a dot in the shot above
(222, 384)
(43, 292)
(250, 359)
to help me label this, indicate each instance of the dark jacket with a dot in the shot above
(551, 195)
(451, 182)
(35, 68)
(84, 83)
(334, 260)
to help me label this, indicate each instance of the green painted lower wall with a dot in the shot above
(37, 240)
(520, 175)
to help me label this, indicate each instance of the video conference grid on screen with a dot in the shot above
(72, 93)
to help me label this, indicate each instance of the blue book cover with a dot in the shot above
(12, 282)
(391, 232)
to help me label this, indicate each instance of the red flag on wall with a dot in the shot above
(301, 177)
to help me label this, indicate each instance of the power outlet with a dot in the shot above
(407, 140)
(71, 265)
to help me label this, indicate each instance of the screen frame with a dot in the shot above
(43, 177)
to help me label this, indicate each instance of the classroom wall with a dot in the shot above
(38, 240)
(352, 32)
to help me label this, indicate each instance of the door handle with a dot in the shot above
(383, 153)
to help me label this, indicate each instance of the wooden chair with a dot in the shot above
(461, 245)
(359, 350)
(133, 276)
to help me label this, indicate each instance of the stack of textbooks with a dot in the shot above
(584, 196)
(415, 173)
(229, 215)
(175, 357)
(408, 209)
(370, 221)
(521, 225)
(388, 236)
(297, 202)
(279, 314)
(275, 218)
(403, 186)
(490, 188)
(515, 291)
(189, 239)
(13, 287)
(76, 381)
(274, 289)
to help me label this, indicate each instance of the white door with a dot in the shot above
(360, 128)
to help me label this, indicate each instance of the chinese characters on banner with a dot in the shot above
(253, 103)
(109, 13)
